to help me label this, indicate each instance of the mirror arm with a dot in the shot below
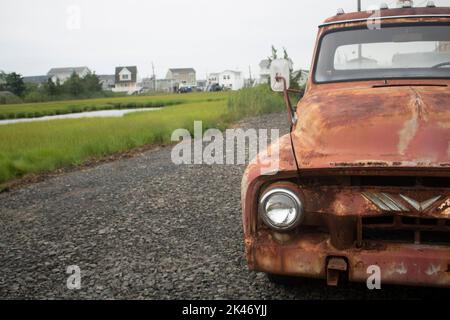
(291, 113)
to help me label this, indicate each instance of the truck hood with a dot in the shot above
(402, 126)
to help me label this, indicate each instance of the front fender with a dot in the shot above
(259, 172)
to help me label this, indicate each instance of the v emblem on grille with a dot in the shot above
(420, 206)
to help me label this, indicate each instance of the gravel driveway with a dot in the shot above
(143, 228)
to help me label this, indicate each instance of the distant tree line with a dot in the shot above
(75, 87)
(12, 82)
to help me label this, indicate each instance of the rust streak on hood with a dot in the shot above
(399, 126)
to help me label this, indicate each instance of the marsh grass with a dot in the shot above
(254, 101)
(36, 110)
(43, 146)
(48, 145)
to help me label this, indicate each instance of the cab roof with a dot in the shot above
(397, 12)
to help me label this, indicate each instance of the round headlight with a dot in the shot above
(281, 209)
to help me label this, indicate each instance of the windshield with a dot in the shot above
(391, 52)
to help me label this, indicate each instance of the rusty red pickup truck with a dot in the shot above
(363, 177)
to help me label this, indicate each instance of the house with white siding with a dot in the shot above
(231, 80)
(213, 78)
(182, 77)
(126, 80)
(264, 71)
(63, 74)
(228, 79)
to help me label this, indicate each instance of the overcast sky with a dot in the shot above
(208, 35)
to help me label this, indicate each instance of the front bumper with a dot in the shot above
(306, 255)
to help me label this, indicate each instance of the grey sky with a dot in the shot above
(208, 35)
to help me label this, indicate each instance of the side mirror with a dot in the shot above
(279, 68)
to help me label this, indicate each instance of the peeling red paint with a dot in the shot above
(401, 126)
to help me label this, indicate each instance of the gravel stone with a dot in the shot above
(144, 228)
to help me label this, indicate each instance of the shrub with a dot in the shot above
(74, 109)
(255, 101)
(36, 96)
(7, 97)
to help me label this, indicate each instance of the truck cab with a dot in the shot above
(362, 181)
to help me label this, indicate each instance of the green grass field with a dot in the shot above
(43, 146)
(33, 110)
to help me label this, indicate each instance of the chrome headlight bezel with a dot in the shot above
(297, 204)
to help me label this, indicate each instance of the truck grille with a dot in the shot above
(404, 229)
